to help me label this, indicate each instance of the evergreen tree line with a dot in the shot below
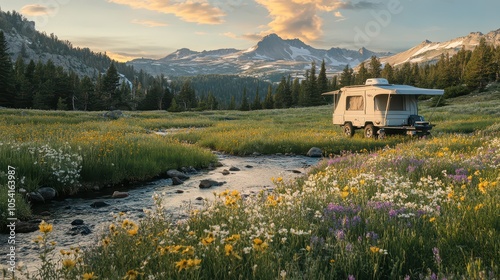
(41, 43)
(466, 71)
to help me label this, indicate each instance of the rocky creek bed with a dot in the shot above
(80, 221)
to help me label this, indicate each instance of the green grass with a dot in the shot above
(71, 150)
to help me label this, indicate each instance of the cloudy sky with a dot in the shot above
(128, 29)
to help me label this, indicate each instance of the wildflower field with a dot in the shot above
(397, 208)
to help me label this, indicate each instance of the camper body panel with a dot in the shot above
(381, 108)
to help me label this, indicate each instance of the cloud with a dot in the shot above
(301, 18)
(36, 10)
(190, 11)
(149, 23)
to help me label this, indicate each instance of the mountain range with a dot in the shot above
(271, 56)
(430, 52)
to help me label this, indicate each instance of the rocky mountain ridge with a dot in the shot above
(270, 56)
(430, 52)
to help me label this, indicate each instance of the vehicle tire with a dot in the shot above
(348, 129)
(370, 131)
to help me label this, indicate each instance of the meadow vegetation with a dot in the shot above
(397, 208)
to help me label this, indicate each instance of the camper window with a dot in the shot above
(355, 103)
(397, 102)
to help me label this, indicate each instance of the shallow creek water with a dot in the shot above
(255, 174)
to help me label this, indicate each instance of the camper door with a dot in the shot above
(355, 103)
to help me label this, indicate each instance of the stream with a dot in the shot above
(254, 174)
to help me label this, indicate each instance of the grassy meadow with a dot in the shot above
(397, 208)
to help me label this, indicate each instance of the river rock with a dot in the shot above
(179, 191)
(47, 193)
(117, 194)
(79, 229)
(35, 197)
(98, 204)
(234, 168)
(26, 227)
(176, 181)
(45, 213)
(189, 170)
(176, 173)
(114, 115)
(77, 222)
(315, 152)
(207, 183)
(225, 172)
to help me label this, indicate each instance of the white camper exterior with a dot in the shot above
(380, 108)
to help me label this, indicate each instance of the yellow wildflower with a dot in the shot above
(207, 240)
(182, 264)
(44, 227)
(344, 194)
(188, 250)
(374, 249)
(133, 231)
(68, 263)
(259, 245)
(89, 276)
(233, 238)
(131, 275)
(479, 206)
(432, 220)
(229, 249)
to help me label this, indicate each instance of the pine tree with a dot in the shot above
(295, 92)
(480, 70)
(212, 103)
(346, 76)
(245, 106)
(279, 96)
(362, 74)
(388, 73)
(311, 96)
(268, 101)
(7, 85)
(322, 81)
(375, 67)
(232, 103)
(256, 105)
(110, 83)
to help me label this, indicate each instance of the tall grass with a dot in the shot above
(423, 209)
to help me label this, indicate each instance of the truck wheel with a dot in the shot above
(348, 129)
(370, 131)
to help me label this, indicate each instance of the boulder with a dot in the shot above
(79, 229)
(207, 183)
(114, 115)
(98, 204)
(35, 197)
(315, 152)
(234, 168)
(47, 193)
(77, 222)
(225, 172)
(189, 170)
(26, 227)
(176, 181)
(117, 194)
(176, 173)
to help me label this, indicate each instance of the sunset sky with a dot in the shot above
(128, 29)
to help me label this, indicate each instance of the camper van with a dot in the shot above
(380, 108)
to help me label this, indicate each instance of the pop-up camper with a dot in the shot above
(380, 108)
